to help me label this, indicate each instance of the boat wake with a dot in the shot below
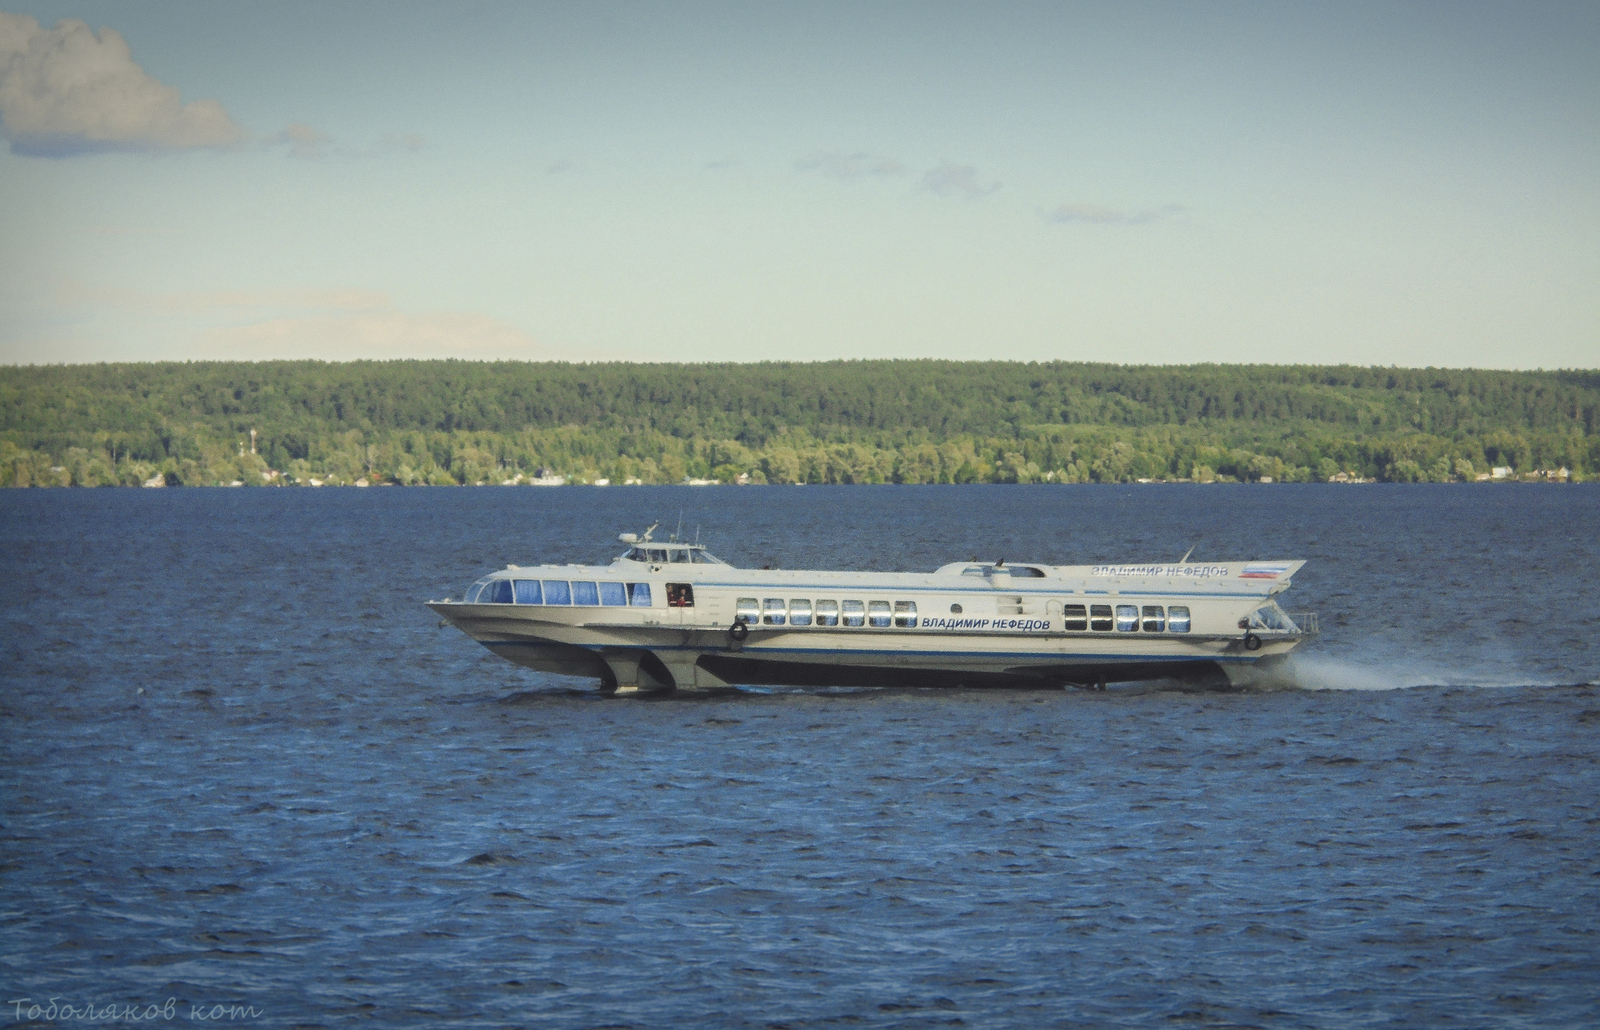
(1319, 672)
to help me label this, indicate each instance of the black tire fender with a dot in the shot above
(1252, 642)
(738, 631)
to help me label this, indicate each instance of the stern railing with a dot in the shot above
(1307, 622)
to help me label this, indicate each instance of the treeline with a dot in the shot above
(446, 422)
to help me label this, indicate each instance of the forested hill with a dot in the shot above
(835, 421)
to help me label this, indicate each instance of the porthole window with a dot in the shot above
(905, 614)
(1076, 616)
(827, 613)
(799, 611)
(1178, 618)
(1100, 618)
(854, 613)
(1155, 618)
(774, 612)
(878, 614)
(955, 609)
(1127, 618)
(748, 611)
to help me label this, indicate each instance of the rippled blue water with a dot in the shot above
(243, 767)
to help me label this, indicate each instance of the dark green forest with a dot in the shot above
(457, 422)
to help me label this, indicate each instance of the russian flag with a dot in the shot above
(1264, 570)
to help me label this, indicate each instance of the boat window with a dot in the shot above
(679, 555)
(1026, 572)
(1155, 618)
(1268, 617)
(1127, 618)
(955, 609)
(498, 592)
(613, 594)
(773, 611)
(854, 613)
(975, 570)
(585, 593)
(799, 611)
(637, 554)
(680, 595)
(878, 613)
(1077, 616)
(748, 611)
(1100, 618)
(905, 614)
(827, 613)
(471, 596)
(1178, 618)
(527, 591)
(639, 594)
(556, 591)
(657, 554)
(707, 558)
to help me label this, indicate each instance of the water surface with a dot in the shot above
(243, 766)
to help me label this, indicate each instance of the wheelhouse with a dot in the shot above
(652, 553)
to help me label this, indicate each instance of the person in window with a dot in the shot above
(679, 595)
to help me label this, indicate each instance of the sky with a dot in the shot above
(1380, 184)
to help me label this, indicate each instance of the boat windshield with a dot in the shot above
(1270, 616)
(675, 554)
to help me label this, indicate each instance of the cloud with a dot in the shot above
(409, 142)
(302, 141)
(80, 322)
(307, 143)
(75, 293)
(953, 180)
(1092, 214)
(381, 334)
(849, 167)
(65, 91)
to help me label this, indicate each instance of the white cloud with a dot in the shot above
(74, 321)
(953, 180)
(409, 142)
(1093, 214)
(302, 141)
(381, 334)
(849, 167)
(73, 293)
(66, 91)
